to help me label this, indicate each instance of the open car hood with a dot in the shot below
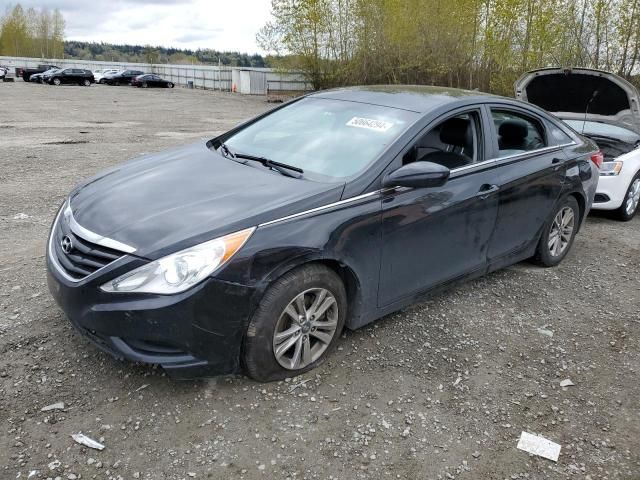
(567, 92)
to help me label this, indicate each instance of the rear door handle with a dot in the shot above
(556, 160)
(487, 190)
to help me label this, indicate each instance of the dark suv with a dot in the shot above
(77, 76)
(122, 78)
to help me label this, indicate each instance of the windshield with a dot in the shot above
(604, 129)
(330, 138)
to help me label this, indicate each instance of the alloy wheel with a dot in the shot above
(561, 231)
(305, 328)
(633, 197)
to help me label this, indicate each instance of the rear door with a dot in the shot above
(531, 168)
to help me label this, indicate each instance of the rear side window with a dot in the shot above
(517, 133)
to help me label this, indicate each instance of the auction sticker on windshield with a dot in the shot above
(369, 123)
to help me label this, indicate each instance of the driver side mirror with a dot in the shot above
(417, 175)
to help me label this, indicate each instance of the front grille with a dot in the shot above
(85, 257)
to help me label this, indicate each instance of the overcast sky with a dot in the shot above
(216, 24)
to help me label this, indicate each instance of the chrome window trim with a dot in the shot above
(454, 173)
(550, 148)
(92, 236)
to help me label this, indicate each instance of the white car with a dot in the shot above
(606, 108)
(99, 74)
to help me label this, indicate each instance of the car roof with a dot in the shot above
(415, 98)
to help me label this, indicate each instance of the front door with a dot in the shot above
(435, 235)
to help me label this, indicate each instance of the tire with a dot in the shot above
(550, 254)
(101, 81)
(169, 85)
(86, 82)
(631, 201)
(260, 345)
(56, 82)
(144, 85)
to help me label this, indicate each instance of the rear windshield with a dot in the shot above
(330, 138)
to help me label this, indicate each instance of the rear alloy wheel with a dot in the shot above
(296, 325)
(56, 82)
(631, 201)
(558, 235)
(87, 82)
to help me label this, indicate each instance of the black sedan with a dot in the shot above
(149, 81)
(69, 76)
(255, 249)
(121, 78)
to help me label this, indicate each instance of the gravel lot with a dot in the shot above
(441, 390)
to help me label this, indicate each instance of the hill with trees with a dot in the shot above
(39, 33)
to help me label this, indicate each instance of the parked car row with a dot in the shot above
(78, 76)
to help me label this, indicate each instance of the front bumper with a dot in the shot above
(611, 192)
(196, 333)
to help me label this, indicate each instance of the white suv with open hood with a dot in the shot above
(605, 108)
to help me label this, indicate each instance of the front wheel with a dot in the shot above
(631, 201)
(144, 85)
(170, 85)
(56, 82)
(558, 235)
(86, 82)
(296, 325)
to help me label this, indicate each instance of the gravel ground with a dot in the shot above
(441, 390)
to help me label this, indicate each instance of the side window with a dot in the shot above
(453, 143)
(558, 135)
(517, 133)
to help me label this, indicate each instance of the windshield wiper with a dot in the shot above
(282, 168)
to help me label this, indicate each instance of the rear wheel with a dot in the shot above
(558, 235)
(144, 85)
(56, 82)
(86, 82)
(296, 325)
(170, 85)
(631, 201)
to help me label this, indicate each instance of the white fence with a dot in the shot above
(252, 81)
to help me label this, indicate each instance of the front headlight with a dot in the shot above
(179, 271)
(610, 169)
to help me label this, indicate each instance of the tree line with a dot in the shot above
(484, 44)
(150, 54)
(32, 33)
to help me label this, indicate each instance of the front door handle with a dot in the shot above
(487, 190)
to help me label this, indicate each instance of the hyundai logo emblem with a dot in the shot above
(66, 244)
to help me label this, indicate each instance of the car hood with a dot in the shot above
(168, 201)
(570, 93)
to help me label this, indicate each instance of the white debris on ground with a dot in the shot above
(53, 406)
(86, 441)
(540, 446)
(566, 383)
(20, 216)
